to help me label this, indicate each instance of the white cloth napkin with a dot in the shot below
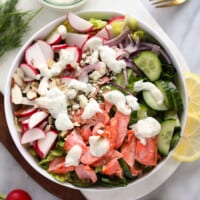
(132, 7)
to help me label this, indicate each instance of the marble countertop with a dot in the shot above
(182, 26)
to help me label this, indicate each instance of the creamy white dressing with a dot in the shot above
(73, 156)
(43, 86)
(82, 100)
(107, 54)
(132, 102)
(155, 92)
(99, 146)
(62, 30)
(118, 99)
(65, 57)
(146, 128)
(109, 57)
(81, 86)
(91, 109)
(55, 102)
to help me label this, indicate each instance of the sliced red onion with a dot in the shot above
(122, 88)
(130, 64)
(118, 39)
(87, 69)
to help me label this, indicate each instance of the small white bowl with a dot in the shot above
(141, 185)
(62, 6)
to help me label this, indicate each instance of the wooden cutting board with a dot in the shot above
(57, 190)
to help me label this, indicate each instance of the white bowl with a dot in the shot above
(63, 6)
(42, 33)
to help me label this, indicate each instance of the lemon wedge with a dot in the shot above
(188, 148)
(193, 86)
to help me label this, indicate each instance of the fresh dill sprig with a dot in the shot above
(13, 25)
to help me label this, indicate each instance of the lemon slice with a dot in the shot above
(193, 86)
(188, 148)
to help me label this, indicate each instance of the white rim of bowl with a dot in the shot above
(30, 159)
(63, 6)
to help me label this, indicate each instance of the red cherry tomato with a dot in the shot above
(18, 194)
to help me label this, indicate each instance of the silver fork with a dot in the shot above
(166, 3)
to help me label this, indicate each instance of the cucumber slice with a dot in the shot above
(142, 112)
(165, 136)
(150, 64)
(175, 139)
(152, 103)
(120, 80)
(173, 115)
(176, 97)
(165, 89)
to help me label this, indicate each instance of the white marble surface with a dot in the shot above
(182, 26)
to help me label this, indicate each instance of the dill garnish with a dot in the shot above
(13, 25)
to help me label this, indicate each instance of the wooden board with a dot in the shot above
(57, 190)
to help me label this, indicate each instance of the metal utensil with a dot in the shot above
(166, 3)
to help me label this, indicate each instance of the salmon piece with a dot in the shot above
(118, 127)
(123, 121)
(113, 131)
(74, 139)
(76, 117)
(135, 171)
(99, 126)
(113, 168)
(86, 132)
(102, 117)
(128, 148)
(88, 159)
(147, 154)
(85, 172)
(112, 154)
(58, 166)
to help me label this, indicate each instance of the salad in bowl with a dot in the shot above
(95, 101)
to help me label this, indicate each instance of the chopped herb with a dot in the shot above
(13, 25)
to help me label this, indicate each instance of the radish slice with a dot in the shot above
(32, 135)
(105, 33)
(39, 53)
(37, 118)
(54, 38)
(59, 47)
(75, 52)
(30, 71)
(118, 18)
(79, 23)
(76, 39)
(42, 146)
(42, 125)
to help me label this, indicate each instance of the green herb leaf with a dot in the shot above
(13, 25)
